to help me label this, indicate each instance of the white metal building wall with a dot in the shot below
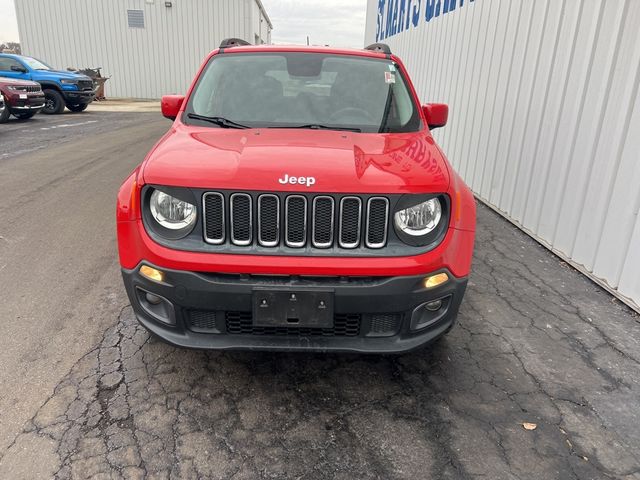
(148, 62)
(544, 115)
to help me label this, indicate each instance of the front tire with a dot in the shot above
(81, 107)
(24, 116)
(53, 102)
(4, 116)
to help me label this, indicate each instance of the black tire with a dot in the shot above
(6, 113)
(24, 116)
(81, 107)
(53, 102)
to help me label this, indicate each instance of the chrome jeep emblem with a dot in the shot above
(307, 181)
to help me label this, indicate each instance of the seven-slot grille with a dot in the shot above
(296, 220)
(28, 88)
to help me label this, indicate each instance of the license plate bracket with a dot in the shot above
(293, 308)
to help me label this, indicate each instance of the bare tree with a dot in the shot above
(10, 47)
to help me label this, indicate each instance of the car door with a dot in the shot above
(8, 68)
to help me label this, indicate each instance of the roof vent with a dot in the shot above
(233, 42)
(379, 48)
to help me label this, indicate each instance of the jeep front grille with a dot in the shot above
(296, 220)
(28, 88)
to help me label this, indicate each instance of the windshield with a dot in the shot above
(303, 90)
(35, 64)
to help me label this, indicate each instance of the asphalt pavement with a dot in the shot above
(540, 378)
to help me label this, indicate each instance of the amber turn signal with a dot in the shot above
(152, 273)
(435, 280)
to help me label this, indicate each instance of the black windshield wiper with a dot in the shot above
(316, 126)
(220, 121)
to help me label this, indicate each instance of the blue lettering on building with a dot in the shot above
(416, 12)
(396, 16)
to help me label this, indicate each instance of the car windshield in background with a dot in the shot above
(35, 64)
(302, 90)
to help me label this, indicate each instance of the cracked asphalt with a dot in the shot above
(97, 397)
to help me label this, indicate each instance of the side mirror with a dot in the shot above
(17, 68)
(436, 114)
(171, 105)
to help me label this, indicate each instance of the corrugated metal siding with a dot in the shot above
(544, 117)
(148, 62)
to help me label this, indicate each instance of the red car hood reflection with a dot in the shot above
(256, 159)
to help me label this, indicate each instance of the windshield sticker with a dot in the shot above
(389, 77)
(392, 67)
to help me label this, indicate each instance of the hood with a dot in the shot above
(59, 74)
(267, 159)
(16, 81)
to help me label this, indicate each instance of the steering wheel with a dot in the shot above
(351, 112)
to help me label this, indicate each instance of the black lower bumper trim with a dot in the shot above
(371, 315)
(78, 97)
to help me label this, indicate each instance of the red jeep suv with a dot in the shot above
(298, 202)
(22, 98)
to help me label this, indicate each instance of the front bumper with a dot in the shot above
(29, 104)
(76, 97)
(371, 314)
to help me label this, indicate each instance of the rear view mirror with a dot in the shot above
(171, 105)
(17, 68)
(436, 114)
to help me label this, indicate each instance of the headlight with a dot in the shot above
(170, 212)
(420, 219)
(69, 81)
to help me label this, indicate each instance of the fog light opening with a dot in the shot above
(430, 313)
(153, 299)
(434, 306)
(159, 308)
(152, 273)
(436, 280)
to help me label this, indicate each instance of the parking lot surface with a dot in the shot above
(19, 137)
(85, 392)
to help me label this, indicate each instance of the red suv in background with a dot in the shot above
(22, 98)
(298, 202)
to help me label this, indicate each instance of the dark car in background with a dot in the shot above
(73, 90)
(22, 98)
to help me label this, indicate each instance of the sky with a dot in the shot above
(327, 22)
(8, 26)
(335, 22)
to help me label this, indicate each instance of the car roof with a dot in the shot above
(13, 55)
(303, 49)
